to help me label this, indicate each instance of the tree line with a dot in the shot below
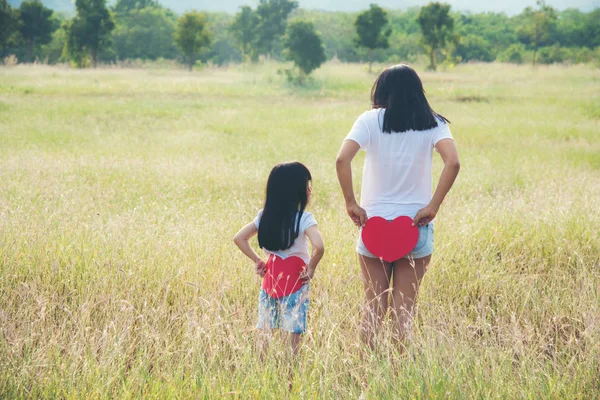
(278, 29)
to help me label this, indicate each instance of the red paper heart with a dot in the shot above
(283, 275)
(390, 241)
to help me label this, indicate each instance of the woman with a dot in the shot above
(398, 135)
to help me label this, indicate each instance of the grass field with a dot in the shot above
(122, 189)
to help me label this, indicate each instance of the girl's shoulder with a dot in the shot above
(307, 215)
(257, 219)
(307, 220)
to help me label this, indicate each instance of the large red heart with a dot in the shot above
(283, 275)
(390, 241)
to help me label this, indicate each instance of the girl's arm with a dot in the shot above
(344, 172)
(318, 249)
(242, 240)
(447, 149)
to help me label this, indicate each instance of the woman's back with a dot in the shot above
(397, 173)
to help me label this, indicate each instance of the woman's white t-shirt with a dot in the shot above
(397, 173)
(300, 246)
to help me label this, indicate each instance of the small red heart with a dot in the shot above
(390, 241)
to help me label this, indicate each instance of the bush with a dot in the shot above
(581, 55)
(474, 48)
(514, 54)
(552, 54)
(11, 60)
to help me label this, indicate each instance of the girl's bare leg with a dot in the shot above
(294, 341)
(264, 336)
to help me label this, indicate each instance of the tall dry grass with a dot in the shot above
(121, 191)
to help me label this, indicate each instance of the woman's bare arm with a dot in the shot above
(343, 165)
(449, 153)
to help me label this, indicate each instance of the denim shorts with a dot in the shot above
(287, 312)
(423, 248)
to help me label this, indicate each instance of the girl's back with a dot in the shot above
(300, 246)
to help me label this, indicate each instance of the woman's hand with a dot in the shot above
(261, 267)
(357, 214)
(424, 216)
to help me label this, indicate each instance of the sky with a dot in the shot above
(509, 7)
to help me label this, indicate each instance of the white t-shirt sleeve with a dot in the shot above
(441, 132)
(307, 221)
(257, 219)
(359, 132)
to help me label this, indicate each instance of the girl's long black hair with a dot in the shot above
(286, 199)
(399, 90)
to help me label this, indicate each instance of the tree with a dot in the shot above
(495, 29)
(9, 27)
(53, 52)
(125, 6)
(537, 26)
(370, 30)
(223, 48)
(304, 47)
(437, 27)
(592, 30)
(74, 49)
(473, 48)
(37, 25)
(146, 34)
(90, 31)
(272, 23)
(245, 33)
(192, 35)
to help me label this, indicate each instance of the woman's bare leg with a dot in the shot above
(407, 276)
(376, 280)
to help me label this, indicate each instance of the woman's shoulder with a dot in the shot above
(443, 125)
(371, 119)
(372, 115)
(442, 122)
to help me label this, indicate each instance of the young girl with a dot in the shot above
(398, 135)
(283, 227)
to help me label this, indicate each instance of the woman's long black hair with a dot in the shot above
(286, 197)
(399, 90)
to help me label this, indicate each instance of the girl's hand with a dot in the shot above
(424, 216)
(306, 275)
(261, 267)
(357, 214)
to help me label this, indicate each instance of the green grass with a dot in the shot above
(122, 189)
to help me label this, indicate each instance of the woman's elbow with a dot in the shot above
(453, 164)
(341, 162)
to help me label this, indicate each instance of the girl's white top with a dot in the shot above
(397, 173)
(300, 246)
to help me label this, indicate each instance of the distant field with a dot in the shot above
(122, 189)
